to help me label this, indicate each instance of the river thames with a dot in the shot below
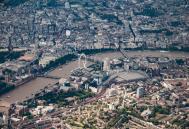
(28, 89)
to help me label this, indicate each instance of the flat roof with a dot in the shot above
(13, 65)
(131, 76)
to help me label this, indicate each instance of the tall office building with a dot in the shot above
(140, 92)
(106, 66)
(67, 5)
(126, 67)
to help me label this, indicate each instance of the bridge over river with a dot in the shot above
(27, 89)
(49, 76)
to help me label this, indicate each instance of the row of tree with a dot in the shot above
(4, 88)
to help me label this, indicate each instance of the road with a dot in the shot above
(22, 92)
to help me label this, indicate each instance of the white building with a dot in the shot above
(46, 60)
(126, 66)
(106, 66)
(67, 5)
(140, 92)
(68, 33)
(93, 89)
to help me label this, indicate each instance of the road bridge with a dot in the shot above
(49, 76)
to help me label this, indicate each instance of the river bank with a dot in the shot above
(21, 93)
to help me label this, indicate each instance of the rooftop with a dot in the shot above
(131, 76)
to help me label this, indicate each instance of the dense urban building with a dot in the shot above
(94, 64)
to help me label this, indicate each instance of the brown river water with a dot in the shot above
(28, 89)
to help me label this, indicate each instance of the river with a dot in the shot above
(28, 89)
